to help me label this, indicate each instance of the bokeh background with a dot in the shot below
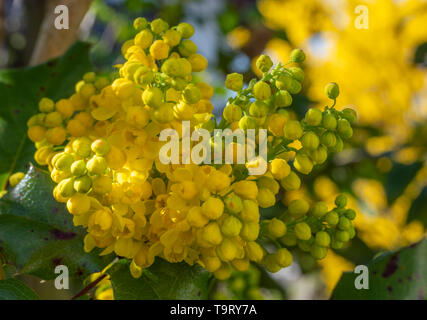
(375, 50)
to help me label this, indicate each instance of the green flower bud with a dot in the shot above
(282, 98)
(63, 162)
(187, 47)
(297, 73)
(65, 188)
(186, 30)
(89, 77)
(247, 122)
(319, 209)
(100, 147)
(297, 55)
(258, 109)
(328, 139)
(323, 239)
(283, 257)
(313, 117)
(310, 140)
(82, 184)
(332, 218)
(291, 182)
(341, 201)
(271, 263)
(179, 83)
(15, 178)
(264, 63)
(287, 82)
(144, 76)
(344, 129)
(318, 252)
(292, 130)
(96, 165)
(231, 226)
(140, 23)
(159, 25)
(342, 236)
(276, 228)
(234, 81)
(344, 224)
(352, 232)
(289, 239)
(335, 244)
(53, 119)
(152, 97)
(303, 163)
(350, 214)
(46, 105)
(329, 122)
(191, 94)
(350, 115)
(339, 145)
(305, 245)
(262, 90)
(232, 113)
(319, 155)
(233, 203)
(332, 90)
(298, 207)
(78, 168)
(302, 231)
(81, 146)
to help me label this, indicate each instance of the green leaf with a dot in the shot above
(392, 276)
(418, 210)
(13, 289)
(37, 232)
(20, 92)
(163, 280)
(398, 179)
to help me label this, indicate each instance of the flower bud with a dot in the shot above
(341, 201)
(310, 140)
(292, 130)
(332, 90)
(262, 90)
(313, 117)
(231, 226)
(234, 81)
(318, 252)
(232, 113)
(319, 209)
(140, 23)
(264, 63)
(82, 184)
(46, 105)
(282, 98)
(186, 30)
(233, 203)
(159, 25)
(258, 109)
(298, 207)
(291, 182)
(96, 165)
(323, 239)
(297, 55)
(302, 231)
(276, 228)
(332, 218)
(329, 122)
(303, 163)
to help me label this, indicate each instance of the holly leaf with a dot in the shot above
(14, 289)
(37, 232)
(392, 276)
(20, 92)
(161, 281)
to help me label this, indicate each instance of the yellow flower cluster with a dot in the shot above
(102, 148)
